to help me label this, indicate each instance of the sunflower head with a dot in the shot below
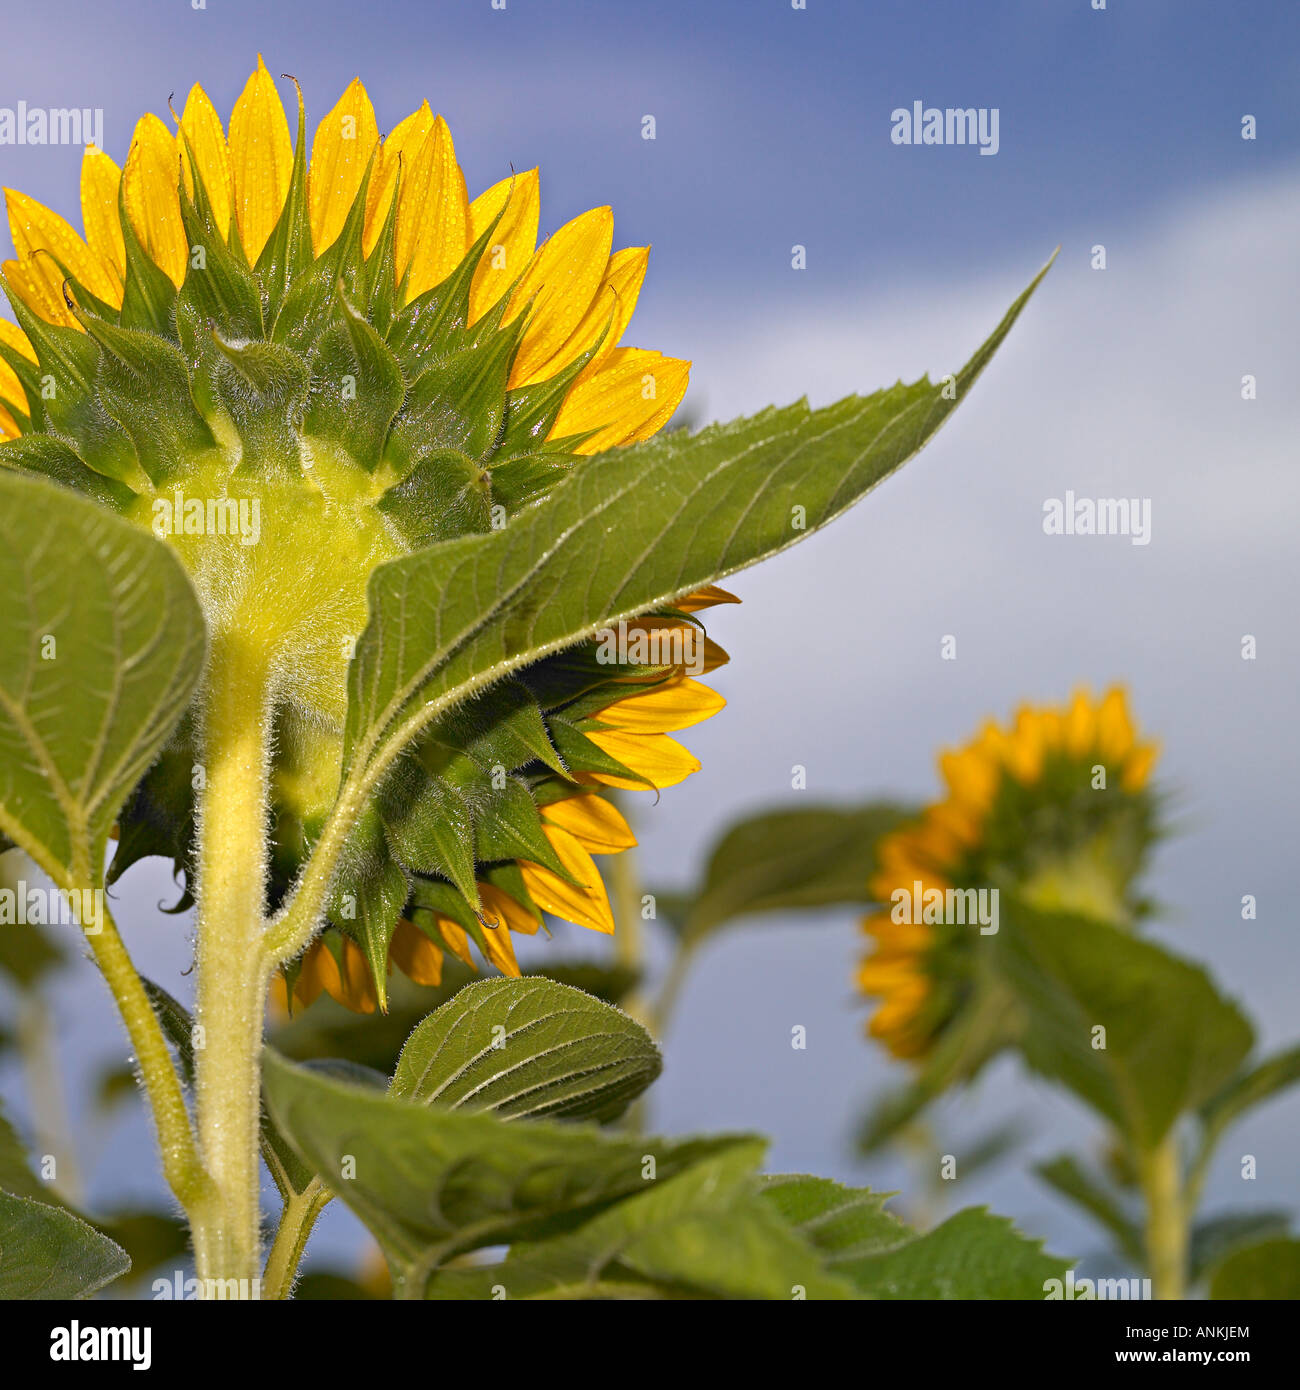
(1056, 810)
(294, 369)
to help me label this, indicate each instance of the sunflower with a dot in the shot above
(295, 369)
(1056, 809)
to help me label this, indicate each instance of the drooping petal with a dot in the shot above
(433, 214)
(35, 229)
(676, 704)
(100, 181)
(340, 155)
(662, 761)
(708, 597)
(397, 152)
(502, 908)
(501, 950)
(415, 955)
(150, 180)
(594, 821)
(203, 129)
(8, 425)
(561, 281)
(261, 160)
(513, 242)
(587, 904)
(633, 394)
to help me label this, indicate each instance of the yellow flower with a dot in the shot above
(365, 226)
(1055, 808)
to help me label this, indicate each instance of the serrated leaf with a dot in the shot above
(1087, 1191)
(527, 1048)
(432, 1183)
(82, 719)
(628, 532)
(1268, 1271)
(1171, 1040)
(1250, 1088)
(47, 1253)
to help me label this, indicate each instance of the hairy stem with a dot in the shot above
(1160, 1171)
(296, 1222)
(232, 968)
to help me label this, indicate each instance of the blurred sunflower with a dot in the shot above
(1057, 810)
(380, 363)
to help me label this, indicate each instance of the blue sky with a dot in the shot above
(1120, 127)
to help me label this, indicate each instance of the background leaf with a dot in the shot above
(1269, 1270)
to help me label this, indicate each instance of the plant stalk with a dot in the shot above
(232, 968)
(1160, 1170)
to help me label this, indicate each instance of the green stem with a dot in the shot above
(1160, 1172)
(296, 1222)
(232, 969)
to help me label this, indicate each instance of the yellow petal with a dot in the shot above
(633, 394)
(972, 777)
(594, 821)
(149, 182)
(34, 290)
(1115, 732)
(349, 980)
(561, 280)
(500, 949)
(8, 425)
(203, 129)
(1080, 726)
(708, 597)
(504, 910)
(1137, 770)
(100, 181)
(415, 955)
(340, 155)
(883, 977)
(261, 160)
(397, 152)
(11, 389)
(513, 242)
(36, 229)
(586, 904)
(311, 979)
(612, 305)
(433, 214)
(677, 704)
(662, 761)
(455, 938)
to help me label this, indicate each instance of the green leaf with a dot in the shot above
(1171, 1040)
(527, 1048)
(706, 1233)
(432, 1183)
(16, 1176)
(1250, 1088)
(47, 1253)
(629, 531)
(821, 856)
(101, 642)
(1214, 1240)
(1087, 1191)
(973, 1255)
(1269, 1271)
